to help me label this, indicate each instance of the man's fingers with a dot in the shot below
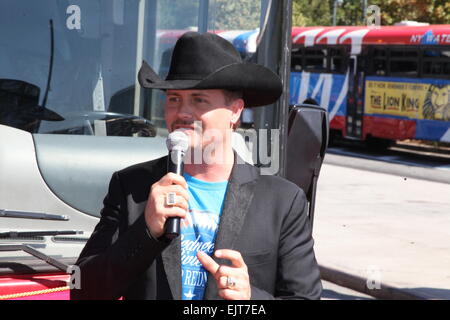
(179, 202)
(222, 281)
(234, 256)
(229, 294)
(173, 178)
(175, 212)
(179, 190)
(222, 273)
(208, 263)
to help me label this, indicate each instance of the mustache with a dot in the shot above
(182, 123)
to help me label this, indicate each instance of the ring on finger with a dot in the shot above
(171, 198)
(231, 282)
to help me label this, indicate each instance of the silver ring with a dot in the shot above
(231, 283)
(171, 198)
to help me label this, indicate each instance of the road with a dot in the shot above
(408, 163)
(333, 291)
(384, 218)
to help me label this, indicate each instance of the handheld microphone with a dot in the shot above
(177, 143)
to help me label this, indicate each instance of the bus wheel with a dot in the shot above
(335, 138)
(378, 144)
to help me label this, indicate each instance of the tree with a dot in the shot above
(311, 13)
(234, 14)
(431, 11)
(177, 14)
(223, 14)
(350, 12)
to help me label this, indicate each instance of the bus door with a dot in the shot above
(355, 96)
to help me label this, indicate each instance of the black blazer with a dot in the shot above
(264, 218)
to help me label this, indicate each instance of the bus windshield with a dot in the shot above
(70, 67)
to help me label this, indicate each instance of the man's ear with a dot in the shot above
(237, 107)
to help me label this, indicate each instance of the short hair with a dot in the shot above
(232, 95)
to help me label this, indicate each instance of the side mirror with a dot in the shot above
(308, 134)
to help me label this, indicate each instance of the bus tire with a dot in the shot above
(378, 144)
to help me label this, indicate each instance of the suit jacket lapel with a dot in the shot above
(237, 202)
(171, 257)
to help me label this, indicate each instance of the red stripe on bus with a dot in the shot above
(338, 123)
(389, 128)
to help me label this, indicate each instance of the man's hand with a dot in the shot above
(157, 211)
(238, 272)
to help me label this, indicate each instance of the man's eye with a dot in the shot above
(173, 99)
(200, 100)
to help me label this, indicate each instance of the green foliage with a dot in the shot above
(245, 14)
(234, 14)
(311, 13)
(431, 11)
(177, 14)
(350, 12)
(223, 14)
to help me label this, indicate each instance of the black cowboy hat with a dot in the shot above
(207, 61)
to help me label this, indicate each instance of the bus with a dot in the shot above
(72, 113)
(379, 84)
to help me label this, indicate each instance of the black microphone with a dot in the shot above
(177, 143)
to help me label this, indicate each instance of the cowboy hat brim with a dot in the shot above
(260, 86)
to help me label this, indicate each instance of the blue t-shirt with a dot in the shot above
(198, 232)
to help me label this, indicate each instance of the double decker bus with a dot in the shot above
(378, 84)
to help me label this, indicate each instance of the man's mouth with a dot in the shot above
(183, 125)
(184, 128)
(178, 126)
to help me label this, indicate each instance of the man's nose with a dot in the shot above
(186, 110)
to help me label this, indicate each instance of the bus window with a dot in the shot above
(331, 59)
(436, 63)
(315, 60)
(378, 58)
(403, 62)
(337, 60)
(297, 59)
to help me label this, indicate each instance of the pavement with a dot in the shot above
(388, 228)
(389, 164)
(332, 291)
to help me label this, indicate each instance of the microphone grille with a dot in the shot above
(177, 140)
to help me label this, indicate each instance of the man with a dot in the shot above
(243, 235)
